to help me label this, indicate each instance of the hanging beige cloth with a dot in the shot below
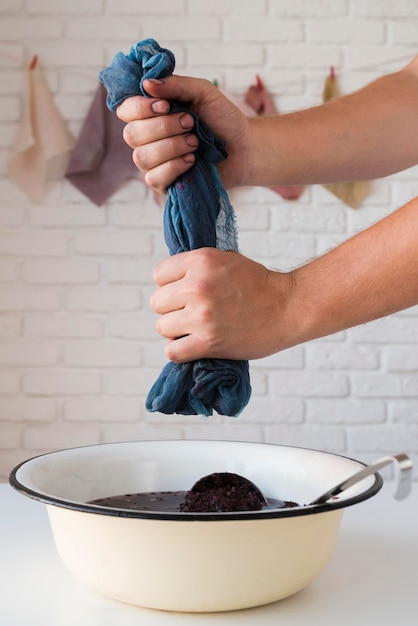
(351, 193)
(43, 143)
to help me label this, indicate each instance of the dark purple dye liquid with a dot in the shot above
(167, 501)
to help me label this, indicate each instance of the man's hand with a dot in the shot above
(164, 145)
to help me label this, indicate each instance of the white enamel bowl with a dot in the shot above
(184, 561)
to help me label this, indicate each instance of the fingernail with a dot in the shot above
(186, 121)
(156, 81)
(160, 106)
(192, 141)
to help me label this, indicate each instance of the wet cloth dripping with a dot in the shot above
(197, 214)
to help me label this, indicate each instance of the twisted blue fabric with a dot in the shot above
(197, 214)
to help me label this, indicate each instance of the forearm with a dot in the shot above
(368, 134)
(369, 276)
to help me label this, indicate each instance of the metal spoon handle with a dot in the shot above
(404, 482)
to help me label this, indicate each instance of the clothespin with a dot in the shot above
(259, 83)
(34, 61)
(331, 89)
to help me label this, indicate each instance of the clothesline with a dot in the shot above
(341, 70)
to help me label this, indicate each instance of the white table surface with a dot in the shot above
(372, 578)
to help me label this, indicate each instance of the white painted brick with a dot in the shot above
(269, 410)
(349, 411)
(25, 353)
(293, 358)
(250, 219)
(130, 382)
(384, 385)
(401, 358)
(258, 381)
(101, 27)
(132, 327)
(179, 29)
(12, 82)
(277, 244)
(378, 439)
(10, 109)
(308, 8)
(45, 7)
(119, 243)
(154, 356)
(226, 7)
(304, 56)
(309, 220)
(10, 437)
(55, 383)
(60, 437)
(7, 135)
(28, 300)
(384, 8)
(308, 384)
(67, 215)
(11, 6)
(343, 31)
(327, 438)
(145, 8)
(11, 216)
(20, 409)
(403, 32)
(361, 56)
(392, 329)
(403, 411)
(234, 431)
(9, 382)
(10, 326)
(35, 28)
(65, 54)
(140, 432)
(8, 271)
(99, 299)
(257, 29)
(140, 215)
(102, 355)
(403, 191)
(11, 54)
(62, 325)
(33, 245)
(342, 357)
(116, 409)
(68, 272)
(228, 55)
(130, 271)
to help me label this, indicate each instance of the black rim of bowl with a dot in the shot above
(87, 507)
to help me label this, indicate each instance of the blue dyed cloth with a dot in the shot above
(197, 214)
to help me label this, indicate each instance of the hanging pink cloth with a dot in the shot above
(101, 161)
(261, 102)
(43, 143)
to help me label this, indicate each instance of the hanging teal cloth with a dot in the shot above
(197, 214)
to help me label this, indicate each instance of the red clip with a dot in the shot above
(332, 72)
(33, 62)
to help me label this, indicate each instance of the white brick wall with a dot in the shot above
(78, 349)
